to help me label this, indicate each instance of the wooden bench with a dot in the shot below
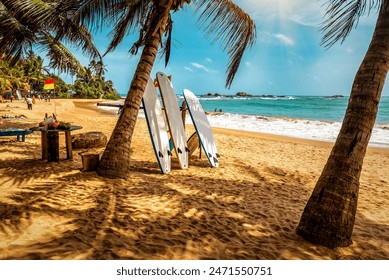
(15, 132)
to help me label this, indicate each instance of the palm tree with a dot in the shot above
(329, 215)
(13, 77)
(33, 70)
(223, 20)
(44, 24)
(87, 77)
(98, 68)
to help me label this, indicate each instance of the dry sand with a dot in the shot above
(248, 208)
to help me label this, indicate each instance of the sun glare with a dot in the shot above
(283, 7)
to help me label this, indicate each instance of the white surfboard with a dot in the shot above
(203, 127)
(173, 117)
(157, 126)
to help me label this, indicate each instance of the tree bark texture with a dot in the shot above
(328, 218)
(115, 161)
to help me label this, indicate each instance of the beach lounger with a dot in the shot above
(16, 132)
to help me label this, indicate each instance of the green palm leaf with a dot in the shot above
(28, 23)
(60, 56)
(228, 24)
(342, 16)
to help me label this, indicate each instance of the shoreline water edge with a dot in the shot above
(322, 124)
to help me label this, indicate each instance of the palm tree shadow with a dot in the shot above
(153, 216)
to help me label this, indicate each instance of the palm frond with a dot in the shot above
(127, 16)
(168, 43)
(20, 21)
(31, 12)
(44, 23)
(78, 36)
(231, 26)
(342, 16)
(60, 57)
(95, 13)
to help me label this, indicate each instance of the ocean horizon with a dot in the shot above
(306, 117)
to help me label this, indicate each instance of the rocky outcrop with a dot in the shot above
(209, 94)
(334, 96)
(92, 139)
(243, 94)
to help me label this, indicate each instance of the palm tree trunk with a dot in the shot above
(115, 162)
(328, 218)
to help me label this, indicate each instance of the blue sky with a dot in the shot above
(287, 58)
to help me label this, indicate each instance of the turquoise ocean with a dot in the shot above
(307, 117)
(296, 107)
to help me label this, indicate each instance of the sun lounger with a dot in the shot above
(15, 132)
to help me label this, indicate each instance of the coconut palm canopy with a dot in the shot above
(222, 22)
(342, 16)
(43, 24)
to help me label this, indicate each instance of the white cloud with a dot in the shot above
(202, 67)
(284, 39)
(209, 60)
(188, 69)
(198, 65)
(248, 64)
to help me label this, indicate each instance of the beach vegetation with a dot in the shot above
(223, 22)
(92, 84)
(28, 75)
(329, 216)
(98, 88)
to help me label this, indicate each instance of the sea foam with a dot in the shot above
(298, 128)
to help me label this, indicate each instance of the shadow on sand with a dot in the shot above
(55, 211)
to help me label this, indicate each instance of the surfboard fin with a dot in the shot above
(160, 154)
(215, 160)
(169, 153)
(217, 155)
(179, 150)
(187, 149)
(209, 155)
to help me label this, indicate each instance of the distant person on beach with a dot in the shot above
(29, 102)
(221, 110)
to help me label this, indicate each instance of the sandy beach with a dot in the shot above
(248, 208)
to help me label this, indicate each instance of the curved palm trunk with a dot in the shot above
(328, 218)
(115, 162)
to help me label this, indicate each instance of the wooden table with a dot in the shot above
(50, 142)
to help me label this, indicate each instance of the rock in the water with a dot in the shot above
(92, 139)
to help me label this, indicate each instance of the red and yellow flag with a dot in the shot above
(49, 84)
